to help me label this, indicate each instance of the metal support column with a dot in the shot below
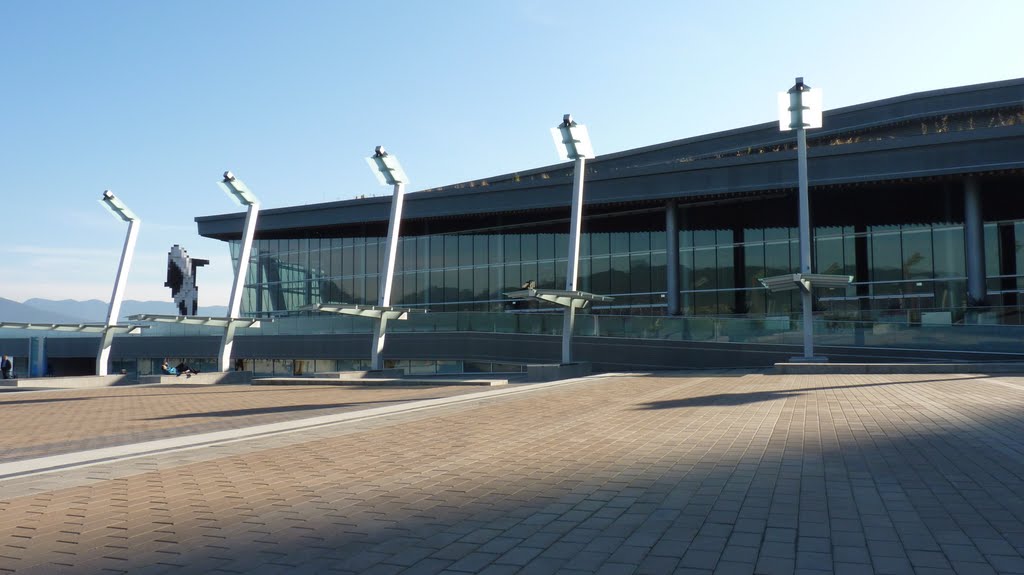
(388, 274)
(107, 339)
(241, 271)
(974, 236)
(569, 317)
(671, 258)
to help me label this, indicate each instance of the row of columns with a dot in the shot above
(974, 248)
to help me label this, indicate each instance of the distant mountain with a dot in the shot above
(94, 310)
(22, 313)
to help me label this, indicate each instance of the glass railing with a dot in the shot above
(899, 332)
(908, 331)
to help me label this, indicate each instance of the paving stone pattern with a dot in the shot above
(707, 473)
(53, 422)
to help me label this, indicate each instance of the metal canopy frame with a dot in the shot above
(196, 320)
(76, 327)
(370, 311)
(805, 282)
(564, 298)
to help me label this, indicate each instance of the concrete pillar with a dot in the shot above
(671, 258)
(974, 242)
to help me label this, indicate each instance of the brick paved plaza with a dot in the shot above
(704, 472)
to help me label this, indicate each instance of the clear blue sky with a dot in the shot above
(154, 100)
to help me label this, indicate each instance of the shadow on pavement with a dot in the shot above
(280, 409)
(729, 399)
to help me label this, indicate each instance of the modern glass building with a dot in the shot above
(920, 198)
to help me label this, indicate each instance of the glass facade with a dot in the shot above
(898, 269)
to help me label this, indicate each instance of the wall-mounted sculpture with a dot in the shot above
(181, 278)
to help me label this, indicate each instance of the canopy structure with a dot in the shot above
(197, 320)
(805, 282)
(564, 298)
(371, 311)
(77, 327)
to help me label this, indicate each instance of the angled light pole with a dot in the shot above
(240, 193)
(800, 110)
(120, 211)
(389, 173)
(573, 143)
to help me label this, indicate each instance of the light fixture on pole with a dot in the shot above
(573, 143)
(800, 110)
(120, 211)
(389, 173)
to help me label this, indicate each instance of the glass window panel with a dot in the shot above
(776, 234)
(496, 281)
(886, 264)
(658, 278)
(513, 280)
(657, 240)
(496, 247)
(991, 250)
(528, 272)
(640, 242)
(1018, 244)
(436, 287)
(358, 290)
(619, 244)
(585, 282)
(726, 268)
(358, 256)
(465, 292)
(480, 287)
(408, 249)
(704, 238)
(560, 269)
(422, 253)
(850, 256)
(779, 303)
(546, 275)
(528, 247)
(705, 269)
(619, 274)
(600, 275)
(755, 301)
(451, 285)
(546, 246)
(451, 252)
(562, 245)
(753, 235)
(373, 255)
(724, 237)
(423, 287)
(600, 244)
(481, 253)
(512, 248)
(753, 260)
(372, 296)
(465, 254)
(686, 270)
(436, 252)
(705, 303)
(828, 253)
(917, 254)
(686, 239)
(640, 272)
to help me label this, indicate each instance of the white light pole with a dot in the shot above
(573, 143)
(800, 109)
(389, 172)
(241, 194)
(120, 212)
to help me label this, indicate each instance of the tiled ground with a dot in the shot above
(705, 473)
(46, 423)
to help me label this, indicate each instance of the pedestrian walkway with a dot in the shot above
(706, 472)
